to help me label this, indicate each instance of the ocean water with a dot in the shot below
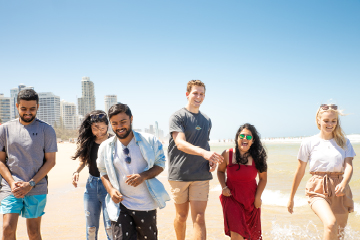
(277, 223)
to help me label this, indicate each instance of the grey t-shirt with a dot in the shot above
(183, 166)
(25, 147)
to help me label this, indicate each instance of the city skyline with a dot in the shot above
(63, 113)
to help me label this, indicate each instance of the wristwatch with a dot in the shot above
(32, 183)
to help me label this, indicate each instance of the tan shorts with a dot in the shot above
(322, 186)
(182, 192)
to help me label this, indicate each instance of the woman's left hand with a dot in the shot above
(340, 190)
(257, 202)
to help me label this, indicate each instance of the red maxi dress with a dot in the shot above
(240, 214)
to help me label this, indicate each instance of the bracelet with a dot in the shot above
(75, 172)
(224, 187)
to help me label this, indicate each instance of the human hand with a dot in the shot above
(340, 189)
(257, 202)
(75, 178)
(226, 192)
(290, 206)
(116, 195)
(134, 180)
(21, 189)
(212, 166)
(213, 157)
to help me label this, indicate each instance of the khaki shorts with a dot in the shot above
(321, 186)
(182, 192)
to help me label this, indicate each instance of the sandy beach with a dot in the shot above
(64, 217)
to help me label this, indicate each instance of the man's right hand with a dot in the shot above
(213, 157)
(116, 195)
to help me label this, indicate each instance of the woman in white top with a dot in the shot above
(330, 157)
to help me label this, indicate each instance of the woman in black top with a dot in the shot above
(92, 132)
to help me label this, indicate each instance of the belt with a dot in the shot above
(326, 175)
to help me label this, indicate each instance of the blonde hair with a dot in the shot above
(338, 133)
(192, 83)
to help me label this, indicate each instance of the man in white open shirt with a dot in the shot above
(128, 164)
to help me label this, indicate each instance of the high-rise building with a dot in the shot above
(86, 103)
(13, 99)
(109, 101)
(49, 108)
(69, 118)
(156, 130)
(4, 108)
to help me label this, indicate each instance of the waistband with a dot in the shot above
(326, 180)
(328, 174)
(91, 177)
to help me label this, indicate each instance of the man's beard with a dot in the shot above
(27, 120)
(126, 133)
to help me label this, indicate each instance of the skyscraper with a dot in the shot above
(13, 99)
(86, 103)
(156, 130)
(4, 108)
(109, 101)
(49, 108)
(68, 115)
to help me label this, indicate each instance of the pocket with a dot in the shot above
(314, 186)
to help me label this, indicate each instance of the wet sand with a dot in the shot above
(65, 219)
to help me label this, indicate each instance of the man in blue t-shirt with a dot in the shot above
(27, 153)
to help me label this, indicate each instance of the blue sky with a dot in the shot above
(270, 63)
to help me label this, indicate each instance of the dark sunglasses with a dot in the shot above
(97, 116)
(128, 158)
(248, 137)
(327, 106)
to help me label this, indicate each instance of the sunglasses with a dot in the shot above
(327, 106)
(97, 116)
(128, 158)
(248, 137)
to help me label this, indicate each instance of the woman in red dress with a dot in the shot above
(241, 195)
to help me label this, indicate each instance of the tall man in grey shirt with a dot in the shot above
(27, 153)
(191, 162)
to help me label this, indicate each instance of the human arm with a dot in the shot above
(75, 176)
(136, 179)
(340, 188)
(260, 188)
(115, 195)
(184, 146)
(299, 174)
(24, 187)
(5, 173)
(221, 174)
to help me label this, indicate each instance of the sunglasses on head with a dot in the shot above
(97, 116)
(328, 106)
(128, 158)
(248, 137)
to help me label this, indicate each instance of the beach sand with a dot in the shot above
(65, 219)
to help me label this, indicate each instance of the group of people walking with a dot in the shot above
(122, 181)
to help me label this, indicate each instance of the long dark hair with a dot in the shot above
(86, 138)
(256, 151)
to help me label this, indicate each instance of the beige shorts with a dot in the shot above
(182, 192)
(321, 186)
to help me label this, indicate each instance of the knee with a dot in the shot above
(181, 217)
(9, 230)
(91, 233)
(330, 225)
(34, 233)
(200, 218)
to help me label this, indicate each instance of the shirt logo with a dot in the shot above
(198, 127)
